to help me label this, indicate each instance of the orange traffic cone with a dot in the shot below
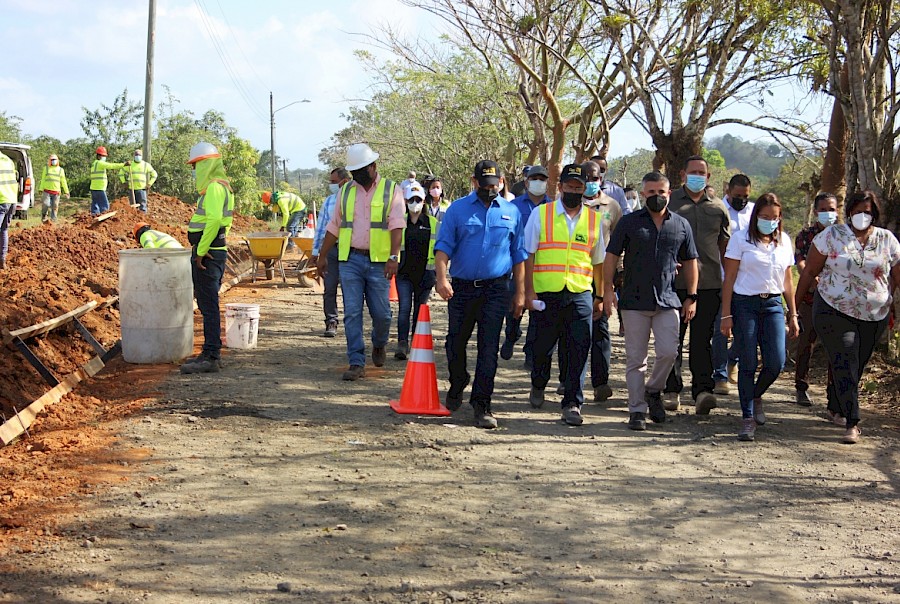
(311, 221)
(420, 392)
(393, 296)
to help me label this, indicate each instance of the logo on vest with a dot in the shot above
(580, 238)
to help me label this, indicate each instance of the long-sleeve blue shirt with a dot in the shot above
(322, 221)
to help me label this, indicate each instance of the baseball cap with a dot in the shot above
(538, 171)
(572, 171)
(487, 172)
(414, 190)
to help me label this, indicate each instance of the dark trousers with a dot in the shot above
(6, 213)
(849, 343)
(566, 319)
(332, 280)
(485, 307)
(700, 361)
(601, 352)
(805, 345)
(206, 290)
(513, 332)
(411, 297)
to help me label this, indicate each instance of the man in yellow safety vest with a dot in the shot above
(99, 200)
(139, 176)
(291, 207)
(150, 239)
(564, 241)
(53, 182)
(9, 193)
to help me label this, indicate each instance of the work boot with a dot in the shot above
(732, 372)
(758, 414)
(506, 351)
(721, 388)
(536, 397)
(454, 395)
(330, 329)
(572, 416)
(803, 398)
(483, 418)
(402, 351)
(602, 393)
(201, 364)
(671, 401)
(706, 402)
(560, 390)
(636, 421)
(379, 355)
(354, 373)
(657, 411)
(748, 429)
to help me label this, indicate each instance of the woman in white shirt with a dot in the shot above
(758, 265)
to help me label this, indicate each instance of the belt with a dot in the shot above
(479, 282)
(765, 296)
(356, 250)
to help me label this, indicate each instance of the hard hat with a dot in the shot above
(266, 197)
(202, 151)
(138, 228)
(359, 156)
(101, 151)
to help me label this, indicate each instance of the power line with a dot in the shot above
(241, 48)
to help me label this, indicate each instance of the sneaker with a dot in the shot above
(536, 397)
(402, 352)
(671, 401)
(836, 418)
(732, 372)
(379, 355)
(506, 351)
(560, 390)
(484, 419)
(803, 398)
(602, 393)
(330, 329)
(748, 429)
(657, 411)
(851, 436)
(454, 395)
(722, 388)
(636, 421)
(706, 402)
(572, 416)
(201, 364)
(758, 414)
(354, 373)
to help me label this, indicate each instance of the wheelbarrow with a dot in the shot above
(305, 269)
(267, 248)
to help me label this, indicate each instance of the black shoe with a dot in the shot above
(560, 390)
(330, 329)
(402, 351)
(454, 395)
(536, 397)
(379, 355)
(506, 351)
(636, 421)
(484, 419)
(657, 411)
(202, 364)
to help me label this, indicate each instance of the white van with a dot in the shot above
(19, 154)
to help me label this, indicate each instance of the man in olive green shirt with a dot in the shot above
(711, 226)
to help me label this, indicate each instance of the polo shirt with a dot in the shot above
(650, 258)
(481, 242)
(524, 204)
(710, 224)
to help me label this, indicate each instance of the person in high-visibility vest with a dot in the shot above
(9, 193)
(139, 175)
(207, 232)
(150, 239)
(368, 235)
(99, 200)
(290, 206)
(53, 182)
(564, 240)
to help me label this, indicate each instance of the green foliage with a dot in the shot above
(713, 158)
(760, 161)
(787, 187)
(240, 160)
(10, 128)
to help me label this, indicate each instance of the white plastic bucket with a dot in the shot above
(156, 305)
(241, 325)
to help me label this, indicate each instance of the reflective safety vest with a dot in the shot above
(564, 262)
(197, 225)
(9, 182)
(379, 235)
(439, 211)
(159, 240)
(54, 179)
(434, 224)
(98, 173)
(289, 203)
(139, 175)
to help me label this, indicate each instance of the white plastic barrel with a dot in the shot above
(156, 305)
(241, 325)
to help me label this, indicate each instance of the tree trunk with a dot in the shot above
(833, 166)
(672, 151)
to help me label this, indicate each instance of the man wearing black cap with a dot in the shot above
(482, 235)
(564, 241)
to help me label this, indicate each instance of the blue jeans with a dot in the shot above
(293, 225)
(206, 290)
(722, 354)
(363, 281)
(6, 212)
(140, 198)
(99, 202)
(412, 296)
(484, 306)
(566, 319)
(332, 280)
(760, 321)
(601, 352)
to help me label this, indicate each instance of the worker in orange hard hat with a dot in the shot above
(150, 239)
(290, 206)
(53, 182)
(99, 200)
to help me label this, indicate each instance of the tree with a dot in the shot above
(10, 128)
(117, 127)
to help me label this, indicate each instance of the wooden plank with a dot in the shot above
(48, 325)
(15, 426)
(103, 217)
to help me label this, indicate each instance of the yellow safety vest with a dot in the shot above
(289, 204)
(159, 240)
(435, 224)
(54, 179)
(197, 225)
(379, 235)
(98, 173)
(564, 262)
(141, 175)
(9, 181)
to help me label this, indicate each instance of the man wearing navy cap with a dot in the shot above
(482, 235)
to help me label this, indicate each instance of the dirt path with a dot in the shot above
(275, 481)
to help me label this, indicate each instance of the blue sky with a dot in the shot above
(76, 54)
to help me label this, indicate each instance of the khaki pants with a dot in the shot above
(664, 323)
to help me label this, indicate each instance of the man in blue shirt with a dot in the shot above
(535, 195)
(653, 241)
(607, 186)
(338, 177)
(481, 238)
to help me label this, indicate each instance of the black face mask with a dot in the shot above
(571, 200)
(486, 195)
(362, 176)
(656, 203)
(738, 203)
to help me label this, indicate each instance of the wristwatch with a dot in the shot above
(693, 297)
(394, 257)
(598, 298)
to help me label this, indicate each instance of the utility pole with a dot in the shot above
(284, 169)
(148, 89)
(272, 149)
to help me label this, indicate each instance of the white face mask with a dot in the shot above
(861, 221)
(137, 158)
(537, 187)
(436, 192)
(415, 206)
(334, 187)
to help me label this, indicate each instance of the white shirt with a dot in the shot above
(762, 265)
(533, 231)
(740, 220)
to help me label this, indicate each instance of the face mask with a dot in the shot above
(436, 192)
(738, 203)
(53, 162)
(486, 195)
(334, 188)
(766, 227)
(537, 187)
(591, 189)
(137, 158)
(631, 199)
(827, 218)
(695, 183)
(571, 200)
(861, 221)
(656, 203)
(362, 176)
(415, 206)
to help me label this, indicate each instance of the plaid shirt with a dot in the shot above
(802, 243)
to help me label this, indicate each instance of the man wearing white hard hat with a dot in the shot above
(367, 227)
(207, 231)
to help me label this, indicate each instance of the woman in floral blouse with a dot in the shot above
(860, 267)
